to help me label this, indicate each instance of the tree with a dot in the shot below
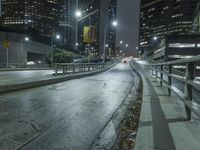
(60, 56)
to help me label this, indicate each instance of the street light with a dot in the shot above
(57, 36)
(155, 38)
(106, 45)
(127, 45)
(26, 39)
(121, 42)
(114, 23)
(78, 13)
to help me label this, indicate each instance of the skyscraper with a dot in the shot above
(37, 18)
(98, 13)
(161, 17)
(67, 22)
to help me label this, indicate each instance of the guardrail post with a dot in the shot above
(189, 75)
(152, 70)
(63, 68)
(66, 69)
(56, 70)
(161, 75)
(73, 68)
(170, 80)
(156, 69)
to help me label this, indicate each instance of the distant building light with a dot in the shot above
(180, 56)
(30, 63)
(181, 45)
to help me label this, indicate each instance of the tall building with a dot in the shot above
(67, 23)
(162, 17)
(35, 17)
(100, 14)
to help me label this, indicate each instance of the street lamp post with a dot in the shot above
(57, 36)
(26, 39)
(114, 23)
(78, 14)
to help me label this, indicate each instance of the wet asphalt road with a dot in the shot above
(69, 115)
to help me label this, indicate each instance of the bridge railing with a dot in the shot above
(168, 74)
(66, 68)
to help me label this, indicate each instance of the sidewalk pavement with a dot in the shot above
(163, 124)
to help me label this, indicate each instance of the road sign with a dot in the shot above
(6, 44)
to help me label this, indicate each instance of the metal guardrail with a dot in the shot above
(66, 68)
(188, 79)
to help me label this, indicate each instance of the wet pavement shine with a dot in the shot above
(69, 115)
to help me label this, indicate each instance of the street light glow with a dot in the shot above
(77, 44)
(114, 23)
(121, 42)
(57, 36)
(106, 45)
(78, 13)
(155, 38)
(127, 45)
(26, 38)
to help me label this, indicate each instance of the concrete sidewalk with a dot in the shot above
(163, 124)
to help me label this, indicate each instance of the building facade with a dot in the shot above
(20, 52)
(174, 47)
(162, 17)
(38, 18)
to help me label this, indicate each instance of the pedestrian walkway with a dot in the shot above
(163, 122)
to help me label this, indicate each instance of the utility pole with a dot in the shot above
(76, 34)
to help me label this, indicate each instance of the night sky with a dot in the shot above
(128, 29)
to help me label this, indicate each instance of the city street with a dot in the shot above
(68, 115)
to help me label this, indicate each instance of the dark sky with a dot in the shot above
(128, 19)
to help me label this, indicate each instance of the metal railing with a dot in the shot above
(67, 68)
(166, 73)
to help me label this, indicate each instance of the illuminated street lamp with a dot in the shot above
(114, 23)
(78, 14)
(25, 39)
(127, 45)
(57, 36)
(53, 36)
(121, 42)
(155, 38)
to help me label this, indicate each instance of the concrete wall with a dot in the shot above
(20, 51)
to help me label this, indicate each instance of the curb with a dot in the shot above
(39, 83)
(108, 134)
